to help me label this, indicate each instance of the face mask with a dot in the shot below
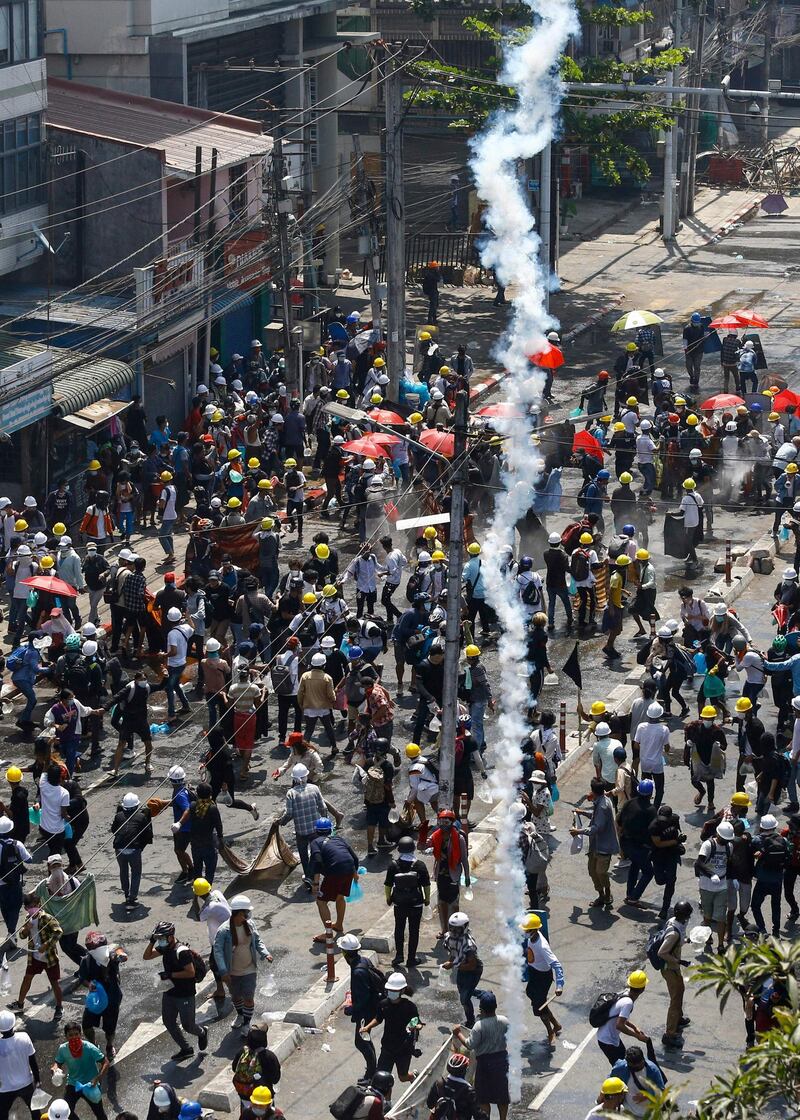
(162, 943)
(708, 722)
(101, 954)
(393, 995)
(32, 910)
(257, 1111)
(75, 1047)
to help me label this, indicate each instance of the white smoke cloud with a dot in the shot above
(513, 251)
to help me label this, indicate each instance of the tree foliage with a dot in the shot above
(606, 16)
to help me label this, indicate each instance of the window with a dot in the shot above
(21, 163)
(19, 31)
(237, 191)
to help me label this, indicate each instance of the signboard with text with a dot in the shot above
(160, 286)
(246, 263)
(25, 410)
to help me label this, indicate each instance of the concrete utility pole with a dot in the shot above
(668, 223)
(693, 123)
(283, 208)
(395, 233)
(545, 214)
(209, 262)
(455, 562)
(365, 213)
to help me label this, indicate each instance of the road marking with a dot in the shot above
(557, 1078)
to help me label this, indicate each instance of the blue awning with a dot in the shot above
(227, 301)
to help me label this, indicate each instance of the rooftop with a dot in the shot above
(162, 126)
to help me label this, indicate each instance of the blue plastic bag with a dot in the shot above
(68, 831)
(92, 1092)
(97, 999)
(554, 792)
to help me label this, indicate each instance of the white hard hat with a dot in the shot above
(672, 625)
(789, 573)
(237, 385)
(458, 920)
(58, 1110)
(437, 394)
(730, 426)
(749, 345)
(161, 1098)
(767, 823)
(695, 453)
(216, 367)
(349, 943)
(663, 632)
(396, 983)
(725, 830)
(29, 502)
(328, 642)
(89, 649)
(40, 538)
(202, 389)
(6, 825)
(369, 464)
(255, 342)
(125, 554)
(240, 902)
(212, 645)
(174, 614)
(299, 772)
(318, 661)
(276, 418)
(64, 542)
(602, 729)
(220, 380)
(130, 801)
(89, 630)
(236, 357)
(7, 1020)
(654, 710)
(209, 411)
(176, 774)
(720, 609)
(375, 484)
(23, 550)
(554, 538)
(424, 557)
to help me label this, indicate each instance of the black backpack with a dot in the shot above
(654, 943)
(406, 889)
(200, 966)
(412, 587)
(11, 865)
(347, 1103)
(377, 979)
(579, 565)
(600, 1011)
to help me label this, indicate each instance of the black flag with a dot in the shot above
(572, 668)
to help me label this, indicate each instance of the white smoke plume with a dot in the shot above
(513, 251)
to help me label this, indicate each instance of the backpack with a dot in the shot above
(111, 592)
(581, 495)
(444, 1109)
(11, 866)
(281, 679)
(531, 593)
(374, 786)
(600, 1011)
(654, 943)
(377, 979)
(616, 546)
(78, 680)
(348, 1103)
(774, 854)
(579, 565)
(406, 889)
(413, 587)
(200, 966)
(15, 659)
(785, 772)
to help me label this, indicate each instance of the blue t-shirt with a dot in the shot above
(160, 438)
(180, 803)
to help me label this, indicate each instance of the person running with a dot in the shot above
(541, 967)
(619, 1021)
(178, 1002)
(462, 950)
(401, 1026)
(332, 865)
(80, 1059)
(99, 970)
(43, 933)
(238, 949)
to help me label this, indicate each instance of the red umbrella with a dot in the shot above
(368, 446)
(441, 442)
(384, 416)
(726, 323)
(52, 584)
(505, 410)
(585, 441)
(748, 318)
(549, 357)
(783, 399)
(722, 400)
(383, 438)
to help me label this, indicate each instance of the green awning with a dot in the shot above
(91, 381)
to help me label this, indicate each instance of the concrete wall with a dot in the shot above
(23, 90)
(92, 28)
(127, 73)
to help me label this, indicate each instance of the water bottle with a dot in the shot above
(469, 894)
(58, 1078)
(270, 986)
(5, 977)
(443, 979)
(427, 912)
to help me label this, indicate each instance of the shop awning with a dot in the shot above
(90, 382)
(227, 301)
(95, 414)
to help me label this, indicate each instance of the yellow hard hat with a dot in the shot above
(605, 419)
(94, 465)
(262, 1096)
(166, 476)
(774, 416)
(625, 478)
(254, 463)
(613, 1086)
(379, 363)
(530, 922)
(586, 538)
(474, 549)
(791, 468)
(234, 503)
(631, 402)
(309, 598)
(692, 420)
(424, 336)
(321, 349)
(412, 750)
(744, 704)
(637, 980)
(376, 398)
(47, 562)
(429, 533)
(290, 462)
(680, 400)
(444, 370)
(13, 774)
(642, 554)
(234, 453)
(415, 418)
(342, 395)
(216, 417)
(630, 346)
(598, 708)
(438, 555)
(322, 552)
(741, 799)
(267, 523)
(329, 591)
(708, 712)
(472, 651)
(264, 484)
(20, 525)
(59, 529)
(201, 887)
(689, 484)
(619, 426)
(622, 560)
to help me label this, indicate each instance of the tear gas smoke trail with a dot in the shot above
(513, 251)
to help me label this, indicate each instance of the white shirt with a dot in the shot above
(691, 504)
(543, 956)
(719, 862)
(214, 913)
(395, 562)
(752, 665)
(591, 579)
(169, 496)
(644, 449)
(622, 1009)
(178, 637)
(15, 1070)
(652, 738)
(795, 751)
(52, 800)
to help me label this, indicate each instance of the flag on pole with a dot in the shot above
(572, 667)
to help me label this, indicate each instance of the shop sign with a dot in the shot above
(246, 264)
(25, 410)
(160, 285)
(20, 374)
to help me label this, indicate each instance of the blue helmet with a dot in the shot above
(646, 788)
(756, 407)
(324, 824)
(355, 653)
(525, 563)
(620, 754)
(603, 475)
(696, 317)
(190, 1110)
(629, 530)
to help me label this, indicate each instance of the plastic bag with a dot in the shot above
(224, 798)
(97, 999)
(576, 846)
(427, 915)
(443, 979)
(550, 680)
(34, 815)
(269, 988)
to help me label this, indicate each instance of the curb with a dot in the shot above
(744, 213)
(219, 1094)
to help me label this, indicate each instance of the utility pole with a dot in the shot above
(365, 215)
(208, 270)
(695, 114)
(283, 208)
(668, 223)
(395, 233)
(770, 30)
(455, 562)
(545, 215)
